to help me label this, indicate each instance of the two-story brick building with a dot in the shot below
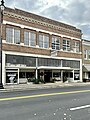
(35, 46)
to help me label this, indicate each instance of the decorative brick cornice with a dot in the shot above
(46, 24)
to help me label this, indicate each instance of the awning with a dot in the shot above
(86, 68)
(54, 68)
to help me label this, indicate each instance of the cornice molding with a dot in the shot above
(31, 20)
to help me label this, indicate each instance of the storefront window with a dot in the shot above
(49, 62)
(11, 77)
(22, 60)
(77, 75)
(56, 74)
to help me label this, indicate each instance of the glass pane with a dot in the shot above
(41, 41)
(16, 36)
(32, 39)
(46, 42)
(9, 35)
(26, 38)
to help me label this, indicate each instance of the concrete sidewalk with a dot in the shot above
(30, 86)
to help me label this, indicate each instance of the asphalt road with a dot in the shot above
(69, 103)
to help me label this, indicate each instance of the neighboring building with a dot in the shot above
(35, 46)
(86, 59)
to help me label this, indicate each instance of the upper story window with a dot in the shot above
(85, 54)
(56, 43)
(66, 45)
(12, 35)
(76, 47)
(43, 41)
(30, 38)
(88, 54)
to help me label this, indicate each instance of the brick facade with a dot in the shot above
(29, 22)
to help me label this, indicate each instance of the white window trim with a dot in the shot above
(56, 42)
(66, 45)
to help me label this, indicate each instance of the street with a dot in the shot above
(67, 103)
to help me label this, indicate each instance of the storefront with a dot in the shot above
(19, 68)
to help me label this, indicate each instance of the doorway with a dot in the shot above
(47, 75)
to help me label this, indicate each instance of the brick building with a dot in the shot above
(86, 59)
(35, 46)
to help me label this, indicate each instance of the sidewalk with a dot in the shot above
(30, 86)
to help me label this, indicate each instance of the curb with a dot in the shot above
(23, 87)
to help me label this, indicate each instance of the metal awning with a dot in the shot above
(86, 68)
(54, 68)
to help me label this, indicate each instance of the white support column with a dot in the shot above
(3, 69)
(62, 75)
(81, 70)
(73, 75)
(18, 76)
(36, 68)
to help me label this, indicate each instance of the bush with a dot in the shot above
(35, 81)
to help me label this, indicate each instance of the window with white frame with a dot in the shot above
(16, 36)
(85, 54)
(55, 43)
(12, 35)
(43, 41)
(76, 46)
(66, 45)
(88, 54)
(29, 38)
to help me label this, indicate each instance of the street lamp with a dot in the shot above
(1, 24)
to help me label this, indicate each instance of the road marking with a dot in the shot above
(78, 108)
(42, 95)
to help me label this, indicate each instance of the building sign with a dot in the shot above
(11, 77)
(76, 76)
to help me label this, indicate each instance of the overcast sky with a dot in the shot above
(73, 12)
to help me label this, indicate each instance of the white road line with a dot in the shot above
(78, 108)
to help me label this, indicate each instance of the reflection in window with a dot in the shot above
(66, 45)
(49, 62)
(12, 35)
(26, 38)
(76, 46)
(88, 54)
(56, 43)
(56, 74)
(29, 38)
(9, 35)
(85, 54)
(71, 63)
(16, 36)
(21, 60)
(43, 41)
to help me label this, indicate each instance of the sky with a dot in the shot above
(72, 12)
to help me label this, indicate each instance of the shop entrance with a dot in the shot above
(47, 75)
(67, 76)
